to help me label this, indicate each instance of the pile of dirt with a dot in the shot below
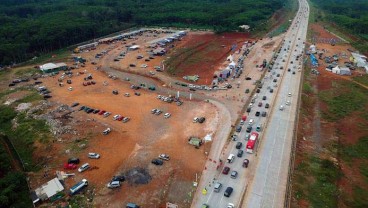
(136, 176)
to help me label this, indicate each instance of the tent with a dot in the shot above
(232, 65)
(52, 67)
(230, 58)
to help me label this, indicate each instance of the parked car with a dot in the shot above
(233, 174)
(115, 92)
(264, 114)
(240, 153)
(245, 163)
(228, 191)
(74, 104)
(164, 157)
(106, 131)
(167, 115)
(96, 111)
(264, 98)
(258, 113)
(70, 166)
(238, 145)
(101, 112)
(120, 178)
(260, 104)
(125, 119)
(106, 114)
(113, 184)
(217, 187)
(93, 155)
(226, 170)
(238, 128)
(267, 105)
(84, 167)
(249, 129)
(157, 162)
(73, 160)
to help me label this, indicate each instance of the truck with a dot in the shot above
(79, 186)
(252, 142)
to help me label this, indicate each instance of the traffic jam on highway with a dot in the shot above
(277, 91)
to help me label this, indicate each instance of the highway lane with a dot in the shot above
(269, 184)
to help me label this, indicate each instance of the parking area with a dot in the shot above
(133, 144)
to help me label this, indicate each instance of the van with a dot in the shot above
(230, 159)
(217, 187)
(228, 191)
(259, 127)
(250, 122)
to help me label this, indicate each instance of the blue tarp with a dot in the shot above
(314, 61)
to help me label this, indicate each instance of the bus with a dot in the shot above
(252, 142)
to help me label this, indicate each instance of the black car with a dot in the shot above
(264, 98)
(157, 162)
(74, 104)
(238, 129)
(238, 145)
(192, 89)
(228, 191)
(47, 96)
(293, 72)
(258, 113)
(96, 111)
(38, 82)
(289, 69)
(82, 108)
(267, 105)
(249, 129)
(271, 90)
(258, 91)
(240, 153)
(115, 92)
(118, 178)
(73, 160)
(274, 80)
(11, 84)
(248, 78)
(278, 75)
(248, 109)
(90, 110)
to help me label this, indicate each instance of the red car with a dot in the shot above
(70, 166)
(84, 84)
(101, 112)
(260, 104)
(226, 170)
(88, 83)
(120, 118)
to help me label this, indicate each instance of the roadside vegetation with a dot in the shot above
(33, 28)
(346, 18)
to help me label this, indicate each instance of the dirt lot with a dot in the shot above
(135, 143)
(202, 54)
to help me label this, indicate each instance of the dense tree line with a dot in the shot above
(32, 27)
(13, 186)
(351, 14)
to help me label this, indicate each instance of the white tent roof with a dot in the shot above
(49, 66)
(49, 189)
(134, 47)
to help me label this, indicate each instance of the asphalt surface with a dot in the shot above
(268, 186)
(264, 181)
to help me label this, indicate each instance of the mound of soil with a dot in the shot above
(138, 176)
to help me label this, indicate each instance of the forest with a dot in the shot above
(349, 14)
(30, 28)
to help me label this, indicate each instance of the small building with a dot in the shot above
(52, 67)
(341, 70)
(47, 190)
(359, 60)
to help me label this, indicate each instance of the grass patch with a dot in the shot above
(61, 55)
(307, 88)
(362, 79)
(316, 182)
(358, 150)
(34, 96)
(343, 99)
(364, 171)
(23, 136)
(26, 72)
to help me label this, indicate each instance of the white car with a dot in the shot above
(144, 66)
(126, 119)
(251, 121)
(164, 157)
(116, 117)
(289, 95)
(113, 184)
(106, 131)
(242, 122)
(167, 115)
(84, 167)
(127, 95)
(281, 107)
(230, 205)
(93, 155)
(106, 114)
(288, 102)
